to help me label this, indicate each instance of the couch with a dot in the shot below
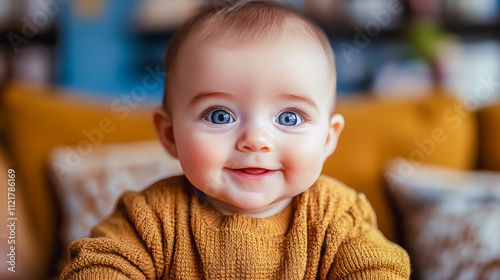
(43, 124)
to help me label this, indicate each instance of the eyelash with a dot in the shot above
(301, 114)
(216, 107)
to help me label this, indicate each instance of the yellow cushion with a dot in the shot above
(489, 137)
(41, 118)
(428, 130)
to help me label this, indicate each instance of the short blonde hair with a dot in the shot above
(235, 22)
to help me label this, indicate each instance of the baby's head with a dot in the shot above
(249, 105)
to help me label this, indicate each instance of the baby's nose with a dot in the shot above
(256, 139)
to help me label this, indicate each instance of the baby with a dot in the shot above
(249, 112)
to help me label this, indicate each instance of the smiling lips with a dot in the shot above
(254, 171)
(254, 174)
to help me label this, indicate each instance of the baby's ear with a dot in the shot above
(334, 129)
(165, 130)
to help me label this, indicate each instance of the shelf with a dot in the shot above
(48, 37)
(491, 31)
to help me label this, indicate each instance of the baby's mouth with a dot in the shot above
(254, 171)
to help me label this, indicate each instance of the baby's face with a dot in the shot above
(252, 125)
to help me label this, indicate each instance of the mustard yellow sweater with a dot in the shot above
(168, 232)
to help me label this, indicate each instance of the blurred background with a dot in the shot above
(419, 80)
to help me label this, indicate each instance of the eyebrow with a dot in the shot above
(207, 95)
(304, 99)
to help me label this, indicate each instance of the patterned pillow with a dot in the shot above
(89, 186)
(451, 220)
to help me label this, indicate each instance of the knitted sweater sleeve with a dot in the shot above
(365, 253)
(127, 245)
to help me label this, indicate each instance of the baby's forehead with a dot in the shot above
(306, 49)
(289, 37)
(292, 36)
(291, 30)
(291, 53)
(289, 67)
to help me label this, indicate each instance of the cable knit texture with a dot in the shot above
(169, 232)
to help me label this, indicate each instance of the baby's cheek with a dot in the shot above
(197, 153)
(204, 153)
(304, 158)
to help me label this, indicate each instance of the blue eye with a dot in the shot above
(289, 119)
(219, 117)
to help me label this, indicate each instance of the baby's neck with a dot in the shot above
(227, 209)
